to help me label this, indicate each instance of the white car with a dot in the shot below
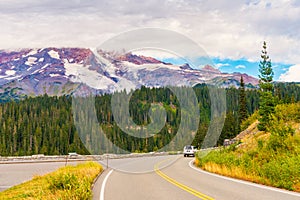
(189, 150)
(73, 155)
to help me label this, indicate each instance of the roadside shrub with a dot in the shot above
(283, 172)
(63, 181)
(280, 128)
(275, 160)
(250, 120)
(231, 148)
(74, 184)
(67, 183)
(276, 143)
(260, 144)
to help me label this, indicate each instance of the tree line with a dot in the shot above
(45, 125)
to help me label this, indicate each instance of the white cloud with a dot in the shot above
(155, 53)
(218, 65)
(285, 69)
(225, 29)
(240, 67)
(292, 75)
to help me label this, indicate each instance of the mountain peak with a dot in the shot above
(186, 66)
(211, 69)
(58, 71)
(246, 77)
(138, 59)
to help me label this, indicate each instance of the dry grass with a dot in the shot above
(71, 182)
(234, 172)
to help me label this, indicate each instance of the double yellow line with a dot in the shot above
(180, 185)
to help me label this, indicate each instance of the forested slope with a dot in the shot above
(45, 124)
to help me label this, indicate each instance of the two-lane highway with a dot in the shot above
(174, 177)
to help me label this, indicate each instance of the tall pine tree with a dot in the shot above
(243, 112)
(267, 101)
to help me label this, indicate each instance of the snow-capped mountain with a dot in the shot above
(58, 71)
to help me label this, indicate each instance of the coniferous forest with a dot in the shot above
(45, 125)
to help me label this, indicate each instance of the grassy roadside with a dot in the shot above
(270, 158)
(67, 183)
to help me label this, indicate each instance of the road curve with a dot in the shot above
(178, 180)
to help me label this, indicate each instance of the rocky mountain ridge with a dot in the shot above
(63, 71)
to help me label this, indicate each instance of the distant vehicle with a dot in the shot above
(73, 155)
(189, 150)
(228, 142)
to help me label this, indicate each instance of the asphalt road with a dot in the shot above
(173, 177)
(14, 174)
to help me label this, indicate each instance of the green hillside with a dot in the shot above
(271, 157)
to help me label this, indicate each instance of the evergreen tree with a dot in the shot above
(46, 124)
(243, 113)
(267, 101)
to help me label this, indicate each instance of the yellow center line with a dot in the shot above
(180, 185)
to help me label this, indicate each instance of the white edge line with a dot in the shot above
(243, 182)
(103, 185)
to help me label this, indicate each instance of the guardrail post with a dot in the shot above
(66, 160)
(106, 161)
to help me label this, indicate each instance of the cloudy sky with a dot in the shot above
(231, 32)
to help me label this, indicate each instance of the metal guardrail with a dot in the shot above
(63, 158)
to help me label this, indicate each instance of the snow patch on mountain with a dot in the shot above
(30, 61)
(40, 70)
(54, 54)
(82, 74)
(150, 67)
(45, 66)
(54, 75)
(106, 64)
(10, 72)
(12, 77)
(31, 53)
(125, 84)
(37, 71)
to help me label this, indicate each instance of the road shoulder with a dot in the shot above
(98, 184)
